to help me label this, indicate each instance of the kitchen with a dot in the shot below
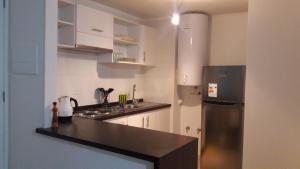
(146, 69)
(77, 73)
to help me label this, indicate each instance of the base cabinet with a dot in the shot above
(159, 120)
(137, 120)
(122, 120)
(155, 120)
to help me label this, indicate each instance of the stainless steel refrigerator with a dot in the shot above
(222, 117)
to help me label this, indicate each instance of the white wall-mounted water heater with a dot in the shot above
(192, 48)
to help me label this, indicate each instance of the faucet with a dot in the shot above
(134, 101)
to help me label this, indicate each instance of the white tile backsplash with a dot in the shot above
(79, 75)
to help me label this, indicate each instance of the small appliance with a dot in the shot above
(65, 108)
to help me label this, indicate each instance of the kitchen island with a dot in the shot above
(165, 150)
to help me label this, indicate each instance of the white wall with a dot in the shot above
(159, 82)
(272, 95)
(50, 59)
(190, 111)
(228, 39)
(79, 75)
(27, 99)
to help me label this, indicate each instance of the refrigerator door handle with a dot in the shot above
(222, 103)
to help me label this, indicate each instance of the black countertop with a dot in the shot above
(164, 149)
(144, 107)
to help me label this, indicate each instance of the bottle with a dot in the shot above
(55, 115)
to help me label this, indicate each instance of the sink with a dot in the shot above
(139, 105)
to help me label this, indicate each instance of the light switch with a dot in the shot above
(25, 59)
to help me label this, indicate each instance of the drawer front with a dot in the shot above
(94, 22)
(94, 41)
(122, 121)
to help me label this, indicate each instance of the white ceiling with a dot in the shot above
(151, 9)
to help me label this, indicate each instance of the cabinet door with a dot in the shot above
(136, 120)
(122, 120)
(149, 44)
(93, 41)
(159, 120)
(94, 22)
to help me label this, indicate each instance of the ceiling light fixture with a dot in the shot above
(175, 19)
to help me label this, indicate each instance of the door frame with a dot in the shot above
(4, 58)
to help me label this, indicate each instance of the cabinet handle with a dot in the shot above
(148, 120)
(144, 56)
(97, 30)
(143, 122)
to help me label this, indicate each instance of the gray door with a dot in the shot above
(222, 136)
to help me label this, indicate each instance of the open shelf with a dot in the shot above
(126, 63)
(125, 22)
(65, 46)
(64, 3)
(66, 24)
(127, 40)
(124, 42)
(62, 23)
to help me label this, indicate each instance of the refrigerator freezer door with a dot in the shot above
(224, 83)
(222, 136)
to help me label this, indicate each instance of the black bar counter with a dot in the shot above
(165, 150)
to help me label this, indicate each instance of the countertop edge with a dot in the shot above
(144, 110)
(97, 145)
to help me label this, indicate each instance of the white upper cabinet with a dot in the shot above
(94, 22)
(85, 28)
(94, 28)
(149, 45)
(134, 44)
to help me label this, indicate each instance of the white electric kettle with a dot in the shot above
(65, 108)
